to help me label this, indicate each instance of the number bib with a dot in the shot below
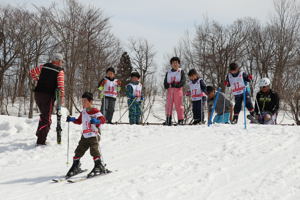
(110, 88)
(196, 92)
(174, 77)
(137, 91)
(237, 84)
(89, 130)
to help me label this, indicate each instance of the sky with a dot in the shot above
(164, 22)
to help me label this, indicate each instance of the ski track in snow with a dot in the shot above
(222, 162)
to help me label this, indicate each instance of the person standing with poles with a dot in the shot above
(91, 119)
(237, 81)
(50, 79)
(197, 90)
(109, 88)
(173, 83)
(134, 94)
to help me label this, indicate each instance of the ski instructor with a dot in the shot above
(50, 78)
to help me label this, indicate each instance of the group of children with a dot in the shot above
(265, 111)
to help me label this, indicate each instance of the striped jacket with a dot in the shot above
(49, 77)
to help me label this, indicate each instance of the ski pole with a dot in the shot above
(127, 109)
(58, 115)
(244, 96)
(214, 106)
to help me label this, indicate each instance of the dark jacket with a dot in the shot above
(47, 82)
(175, 85)
(267, 102)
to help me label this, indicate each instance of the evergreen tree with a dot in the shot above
(124, 69)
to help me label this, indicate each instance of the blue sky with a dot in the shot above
(164, 22)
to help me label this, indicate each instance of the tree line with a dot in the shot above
(81, 33)
(265, 50)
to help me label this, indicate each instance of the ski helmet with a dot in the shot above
(264, 82)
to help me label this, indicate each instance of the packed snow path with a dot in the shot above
(222, 162)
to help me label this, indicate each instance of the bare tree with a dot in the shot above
(142, 55)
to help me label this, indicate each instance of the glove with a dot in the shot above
(142, 98)
(71, 119)
(250, 77)
(225, 83)
(118, 89)
(101, 88)
(95, 121)
(188, 94)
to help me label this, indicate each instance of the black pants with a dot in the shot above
(84, 144)
(45, 102)
(198, 113)
(108, 108)
(238, 103)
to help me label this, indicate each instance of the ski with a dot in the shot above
(58, 115)
(141, 124)
(57, 180)
(86, 177)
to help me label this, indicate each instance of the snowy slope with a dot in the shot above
(223, 162)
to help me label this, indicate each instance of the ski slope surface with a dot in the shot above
(222, 162)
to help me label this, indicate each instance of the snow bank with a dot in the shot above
(223, 162)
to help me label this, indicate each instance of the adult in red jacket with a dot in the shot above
(50, 78)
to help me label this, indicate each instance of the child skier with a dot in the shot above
(173, 83)
(109, 87)
(237, 80)
(197, 90)
(91, 119)
(134, 94)
(223, 109)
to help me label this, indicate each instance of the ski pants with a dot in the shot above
(174, 96)
(238, 103)
(134, 111)
(45, 103)
(108, 108)
(198, 113)
(222, 118)
(86, 143)
(267, 118)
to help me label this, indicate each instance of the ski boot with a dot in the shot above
(75, 169)
(196, 121)
(235, 119)
(98, 169)
(180, 122)
(252, 119)
(168, 122)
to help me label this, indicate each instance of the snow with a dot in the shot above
(222, 162)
